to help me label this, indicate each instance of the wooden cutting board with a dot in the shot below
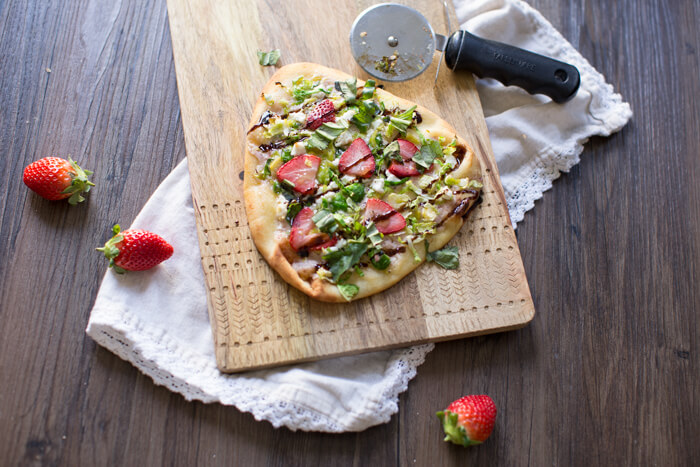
(257, 319)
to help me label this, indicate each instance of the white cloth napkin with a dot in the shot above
(157, 319)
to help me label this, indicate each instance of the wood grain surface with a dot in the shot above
(606, 374)
(260, 321)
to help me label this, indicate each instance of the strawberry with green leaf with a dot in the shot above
(468, 420)
(135, 250)
(54, 178)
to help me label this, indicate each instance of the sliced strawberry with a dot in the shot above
(305, 234)
(407, 149)
(321, 113)
(363, 169)
(384, 216)
(357, 160)
(328, 244)
(408, 168)
(301, 173)
(325, 119)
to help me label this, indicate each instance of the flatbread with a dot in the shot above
(442, 194)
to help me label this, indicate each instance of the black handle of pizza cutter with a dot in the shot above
(535, 73)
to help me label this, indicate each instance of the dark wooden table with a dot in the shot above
(607, 373)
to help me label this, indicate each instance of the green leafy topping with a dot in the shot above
(325, 221)
(447, 257)
(348, 89)
(324, 172)
(304, 88)
(348, 291)
(411, 188)
(266, 169)
(388, 183)
(373, 235)
(368, 90)
(392, 151)
(284, 189)
(293, 137)
(376, 141)
(451, 181)
(397, 200)
(293, 208)
(327, 132)
(268, 58)
(287, 155)
(274, 128)
(341, 260)
(338, 202)
(403, 120)
(426, 155)
(380, 260)
(356, 191)
(366, 111)
(421, 228)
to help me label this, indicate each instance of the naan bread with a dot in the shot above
(348, 202)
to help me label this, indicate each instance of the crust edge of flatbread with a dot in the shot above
(261, 203)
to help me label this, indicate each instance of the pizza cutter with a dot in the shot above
(393, 42)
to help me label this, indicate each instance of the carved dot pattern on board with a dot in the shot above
(229, 235)
(433, 315)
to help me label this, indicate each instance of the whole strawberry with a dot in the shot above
(135, 250)
(54, 178)
(469, 420)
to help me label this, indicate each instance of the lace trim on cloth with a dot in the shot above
(244, 393)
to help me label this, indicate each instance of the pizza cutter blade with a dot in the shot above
(393, 42)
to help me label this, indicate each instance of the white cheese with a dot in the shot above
(298, 149)
(347, 179)
(378, 185)
(298, 117)
(281, 205)
(339, 244)
(344, 139)
(324, 274)
(327, 196)
(391, 177)
(346, 116)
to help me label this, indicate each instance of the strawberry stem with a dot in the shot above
(454, 432)
(80, 183)
(111, 249)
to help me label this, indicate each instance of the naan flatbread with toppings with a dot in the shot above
(349, 188)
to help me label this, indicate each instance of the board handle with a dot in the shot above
(510, 65)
